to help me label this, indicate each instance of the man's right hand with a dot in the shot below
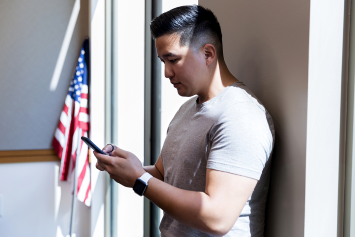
(108, 150)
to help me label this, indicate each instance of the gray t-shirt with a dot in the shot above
(233, 133)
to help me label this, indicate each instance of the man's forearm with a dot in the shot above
(151, 169)
(194, 209)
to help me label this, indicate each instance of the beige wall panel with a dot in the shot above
(266, 47)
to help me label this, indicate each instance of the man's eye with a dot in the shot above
(172, 60)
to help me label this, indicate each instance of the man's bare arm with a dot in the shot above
(214, 211)
(156, 170)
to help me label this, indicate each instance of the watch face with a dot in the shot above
(139, 187)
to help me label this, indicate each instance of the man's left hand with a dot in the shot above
(122, 166)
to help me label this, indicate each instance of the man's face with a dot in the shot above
(185, 67)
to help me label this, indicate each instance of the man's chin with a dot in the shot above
(183, 93)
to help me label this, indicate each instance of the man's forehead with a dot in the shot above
(169, 45)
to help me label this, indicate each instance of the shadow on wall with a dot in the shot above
(259, 68)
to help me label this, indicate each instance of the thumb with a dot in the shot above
(108, 148)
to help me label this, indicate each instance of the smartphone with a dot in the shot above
(92, 145)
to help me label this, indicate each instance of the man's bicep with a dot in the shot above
(229, 192)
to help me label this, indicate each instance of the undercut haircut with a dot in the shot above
(195, 25)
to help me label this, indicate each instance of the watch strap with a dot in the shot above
(146, 177)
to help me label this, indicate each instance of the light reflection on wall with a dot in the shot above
(65, 46)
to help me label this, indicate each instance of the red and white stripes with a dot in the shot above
(74, 123)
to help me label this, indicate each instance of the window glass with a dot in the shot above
(129, 63)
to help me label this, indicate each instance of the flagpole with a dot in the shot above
(74, 198)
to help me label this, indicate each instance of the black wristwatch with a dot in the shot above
(141, 184)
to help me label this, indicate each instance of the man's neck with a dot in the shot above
(221, 78)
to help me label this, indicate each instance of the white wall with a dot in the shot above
(97, 113)
(324, 120)
(266, 47)
(130, 93)
(35, 203)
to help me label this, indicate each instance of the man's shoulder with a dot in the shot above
(241, 106)
(240, 101)
(239, 94)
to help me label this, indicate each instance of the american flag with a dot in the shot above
(74, 123)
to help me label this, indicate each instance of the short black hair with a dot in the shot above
(195, 24)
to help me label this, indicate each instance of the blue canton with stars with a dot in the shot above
(80, 78)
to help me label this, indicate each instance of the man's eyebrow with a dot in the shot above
(168, 55)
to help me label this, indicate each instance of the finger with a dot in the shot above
(120, 152)
(103, 159)
(99, 167)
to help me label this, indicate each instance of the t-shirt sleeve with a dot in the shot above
(241, 141)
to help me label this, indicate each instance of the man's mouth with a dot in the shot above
(176, 84)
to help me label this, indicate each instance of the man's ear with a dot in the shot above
(210, 53)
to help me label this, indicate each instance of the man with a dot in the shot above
(212, 176)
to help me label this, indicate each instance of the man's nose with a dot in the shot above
(168, 72)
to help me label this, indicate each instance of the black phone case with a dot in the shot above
(92, 145)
